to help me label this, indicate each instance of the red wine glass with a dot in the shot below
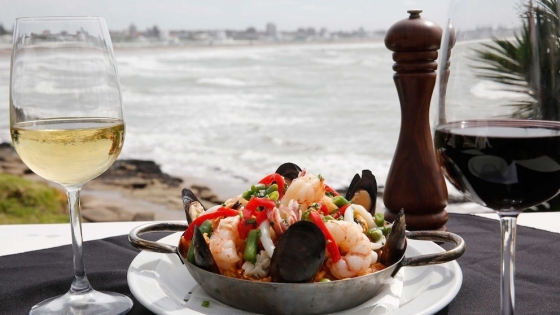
(497, 132)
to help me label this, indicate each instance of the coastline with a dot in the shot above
(6, 48)
(137, 190)
(131, 190)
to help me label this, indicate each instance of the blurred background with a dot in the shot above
(222, 92)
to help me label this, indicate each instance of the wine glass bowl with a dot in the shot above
(505, 165)
(66, 124)
(497, 132)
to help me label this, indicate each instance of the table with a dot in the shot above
(36, 263)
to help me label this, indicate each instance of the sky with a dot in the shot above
(231, 14)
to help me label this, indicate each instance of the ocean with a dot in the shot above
(234, 114)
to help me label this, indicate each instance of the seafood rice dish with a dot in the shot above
(292, 227)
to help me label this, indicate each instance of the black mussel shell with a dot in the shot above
(299, 254)
(289, 171)
(202, 255)
(193, 207)
(363, 190)
(395, 246)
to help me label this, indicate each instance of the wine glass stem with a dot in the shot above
(80, 283)
(507, 286)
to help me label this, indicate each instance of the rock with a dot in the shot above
(143, 216)
(207, 195)
(216, 200)
(106, 214)
(10, 163)
(140, 172)
(137, 180)
(6, 149)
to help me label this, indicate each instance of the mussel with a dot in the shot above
(299, 254)
(395, 246)
(289, 171)
(193, 207)
(363, 190)
(202, 255)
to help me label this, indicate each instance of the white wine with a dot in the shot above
(69, 151)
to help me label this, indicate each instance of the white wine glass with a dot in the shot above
(497, 132)
(67, 126)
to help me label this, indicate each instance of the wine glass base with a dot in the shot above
(92, 302)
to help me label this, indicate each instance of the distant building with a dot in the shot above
(324, 33)
(270, 30)
(132, 31)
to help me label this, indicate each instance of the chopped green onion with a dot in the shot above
(205, 303)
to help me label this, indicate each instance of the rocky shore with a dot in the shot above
(137, 190)
(131, 190)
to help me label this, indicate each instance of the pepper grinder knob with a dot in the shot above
(415, 182)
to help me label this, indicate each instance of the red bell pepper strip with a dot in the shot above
(253, 218)
(255, 202)
(324, 209)
(221, 212)
(341, 211)
(274, 178)
(330, 190)
(332, 247)
(245, 225)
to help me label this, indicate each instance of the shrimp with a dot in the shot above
(225, 243)
(305, 189)
(284, 216)
(354, 247)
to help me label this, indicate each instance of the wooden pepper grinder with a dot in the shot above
(415, 182)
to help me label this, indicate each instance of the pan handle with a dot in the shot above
(438, 258)
(140, 243)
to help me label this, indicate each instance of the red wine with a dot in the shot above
(505, 165)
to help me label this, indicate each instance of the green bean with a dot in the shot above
(206, 227)
(258, 187)
(271, 188)
(190, 254)
(247, 194)
(274, 195)
(250, 253)
(379, 219)
(340, 201)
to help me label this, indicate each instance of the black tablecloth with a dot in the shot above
(29, 278)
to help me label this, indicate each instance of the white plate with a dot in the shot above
(160, 282)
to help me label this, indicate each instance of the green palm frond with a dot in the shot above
(520, 68)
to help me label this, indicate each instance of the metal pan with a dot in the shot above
(300, 298)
